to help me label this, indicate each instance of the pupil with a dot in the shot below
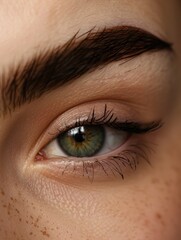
(79, 136)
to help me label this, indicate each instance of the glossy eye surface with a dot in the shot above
(86, 141)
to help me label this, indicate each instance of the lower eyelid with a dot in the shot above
(115, 166)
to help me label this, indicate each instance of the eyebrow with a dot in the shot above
(52, 68)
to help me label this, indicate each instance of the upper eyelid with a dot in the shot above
(65, 122)
(82, 114)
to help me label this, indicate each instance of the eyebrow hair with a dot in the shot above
(52, 68)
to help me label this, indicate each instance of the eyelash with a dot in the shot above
(112, 164)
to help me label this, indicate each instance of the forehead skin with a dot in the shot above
(148, 208)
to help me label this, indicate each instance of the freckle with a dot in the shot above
(35, 225)
(4, 206)
(31, 233)
(2, 193)
(45, 234)
(17, 210)
(160, 218)
(20, 219)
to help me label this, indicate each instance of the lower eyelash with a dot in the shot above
(113, 166)
(117, 165)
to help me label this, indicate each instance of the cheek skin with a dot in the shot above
(20, 218)
(143, 209)
(23, 219)
(146, 212)
(146, 217)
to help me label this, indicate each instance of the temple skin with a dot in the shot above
(36, 200)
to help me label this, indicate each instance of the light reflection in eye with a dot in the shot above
(86, 141)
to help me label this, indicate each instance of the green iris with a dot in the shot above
(83, 141)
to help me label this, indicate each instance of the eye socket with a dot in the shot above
(94, 143)
(86, 141)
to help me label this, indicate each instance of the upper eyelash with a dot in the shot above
(109, 119)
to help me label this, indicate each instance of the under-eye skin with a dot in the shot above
(96, 145)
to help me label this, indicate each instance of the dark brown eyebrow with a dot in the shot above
(55, 67)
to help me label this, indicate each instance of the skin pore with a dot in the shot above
(91, 200)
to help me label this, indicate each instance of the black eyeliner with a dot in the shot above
(109, 119)
(136, 127)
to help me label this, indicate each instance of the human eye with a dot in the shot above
(94, 142)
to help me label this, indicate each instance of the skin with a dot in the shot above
(147, 204)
